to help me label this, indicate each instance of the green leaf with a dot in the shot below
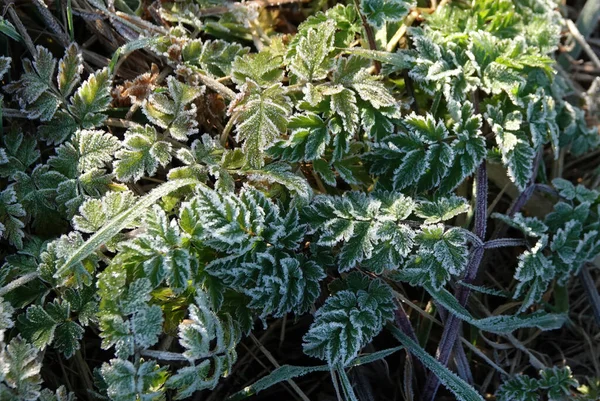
(309, 138)
(498, 78)
(160, 251)
(419, 156)
(176, 112)
(541, 115)
(190, 379)
(378, 12)
(147, 326)
(95, 213)
(469, 147)
(442, 254)
(531, 226)
(534, 273)
(571, 192)
(9, 30)
(322, 168)
(501, 324)
(52, 325)
(20, 365)
(349, 320)
(61, 394)
(20, 153)
(204, 336)
(214, 56)
(55, 255)
(4, 65)
(261, 117)
(129, 382)
(311, 61)
(34, 89)
(264, 69)
(281, 173)
(207, 155)
(37, 192)
(59, 129)
(88, 150)
(121, 221)
(517, 152)
(115, 331)
(70, 68)
(519, 388)
(559, 382)
(276, 282)
(11, 212)
(369, 228)
(6, 316)
(91, 99)
(442, 209)
(142, 154)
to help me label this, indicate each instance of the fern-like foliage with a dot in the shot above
(349, 320)
(555, 383)
(378, 12)
(11, 226)
(128, 382)
(370, 228)
(142, 154)
(209, 340)
(565, 240)
(50, 98)
(52, 324)
(425, 156)
(259, 166)
(176, 112)
(160, 251)
(20, 367)
(261, 116)
(442, 254)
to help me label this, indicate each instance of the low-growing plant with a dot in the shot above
(248, 175)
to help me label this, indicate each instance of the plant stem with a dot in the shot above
(370, 36)
(452, 326)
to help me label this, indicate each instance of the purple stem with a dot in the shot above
(452, 326)
(460, 358)
(403, 323)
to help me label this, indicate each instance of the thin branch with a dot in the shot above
(582, 42)
(215, 85)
